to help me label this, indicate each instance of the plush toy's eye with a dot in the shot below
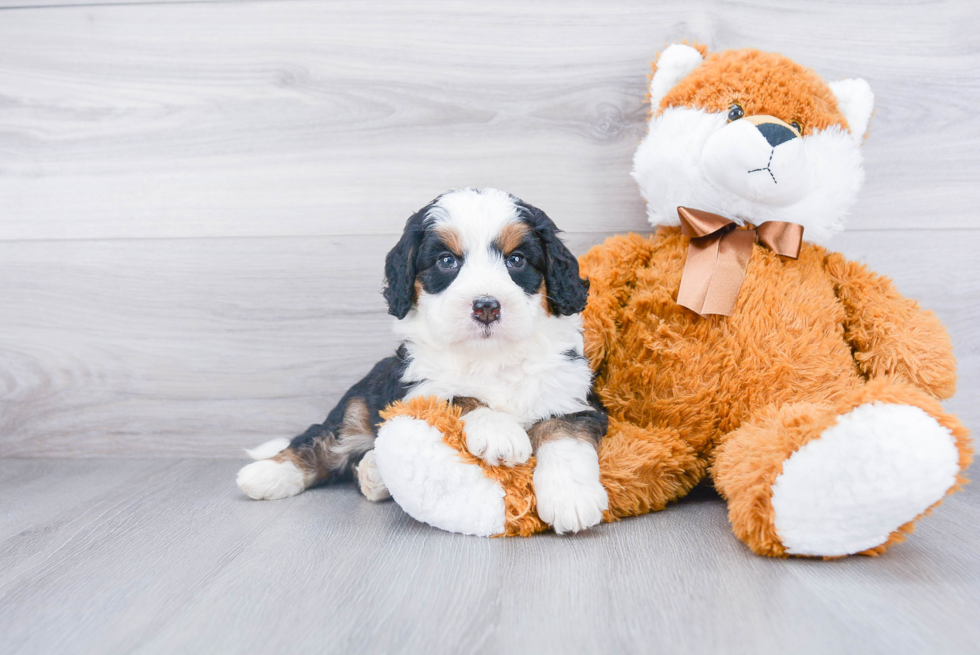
(735, 112)
(515, 260)
(796, 126)
(447, 261)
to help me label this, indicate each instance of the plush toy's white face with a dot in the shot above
(759, 158)
(729, 138)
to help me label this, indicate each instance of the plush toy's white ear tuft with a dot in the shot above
(674, 64)
(856, 102)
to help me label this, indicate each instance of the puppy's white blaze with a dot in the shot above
(877, 468)
(432, 484)
(269, 449)
(477, 216)
(668, 167)
(566, 485)
(496, 437)
(270, 480)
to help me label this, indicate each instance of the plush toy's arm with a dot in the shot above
(611, 269)
(890, 334)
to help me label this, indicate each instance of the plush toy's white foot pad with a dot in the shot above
(431, 483)
(876, 469)
(271, 480)
(369, 479)
(566, 485)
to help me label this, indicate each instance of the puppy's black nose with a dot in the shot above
(486, 310)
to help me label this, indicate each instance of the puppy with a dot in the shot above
(487, 299)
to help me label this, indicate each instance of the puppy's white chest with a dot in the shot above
(530, 389)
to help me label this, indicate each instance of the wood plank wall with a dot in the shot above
(196, 198)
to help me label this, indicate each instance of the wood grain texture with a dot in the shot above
(127, 346)
(199, 347)
(312, 118)
(165, 556)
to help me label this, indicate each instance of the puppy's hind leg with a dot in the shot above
(331, 451)
(324, 453)
(272, 475)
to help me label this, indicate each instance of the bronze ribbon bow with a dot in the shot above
(719, 253)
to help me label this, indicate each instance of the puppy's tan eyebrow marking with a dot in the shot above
(451, 238)
(511, 237)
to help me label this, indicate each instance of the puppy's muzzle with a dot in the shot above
(486, 310)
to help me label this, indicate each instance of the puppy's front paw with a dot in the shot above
(566, 484)
(269, 479)
(496, 438)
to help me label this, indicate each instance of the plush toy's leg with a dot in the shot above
(431, 483)
(644, 468)
(827, 480)
(422, 457)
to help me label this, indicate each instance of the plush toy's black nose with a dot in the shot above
(776, 133)
(486, 310)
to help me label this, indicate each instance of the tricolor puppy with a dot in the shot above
(487, 299)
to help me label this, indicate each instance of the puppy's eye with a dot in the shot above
(735, 112)
(796, 126)
(515, 260)
(447, 261)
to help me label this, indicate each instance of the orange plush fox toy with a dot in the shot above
(804, 385)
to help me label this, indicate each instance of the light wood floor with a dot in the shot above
(166, 556)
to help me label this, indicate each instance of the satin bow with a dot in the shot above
(720, 252)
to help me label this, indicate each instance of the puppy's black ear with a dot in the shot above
(567, 292)
(400, 269)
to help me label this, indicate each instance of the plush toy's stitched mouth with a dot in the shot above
(766, 169)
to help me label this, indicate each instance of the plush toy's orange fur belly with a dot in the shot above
(704, 376)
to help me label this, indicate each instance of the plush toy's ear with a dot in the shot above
(567, 292)
(673, 65)
(400, 269)
(856, 101)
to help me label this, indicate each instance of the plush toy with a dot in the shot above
(803, 385)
